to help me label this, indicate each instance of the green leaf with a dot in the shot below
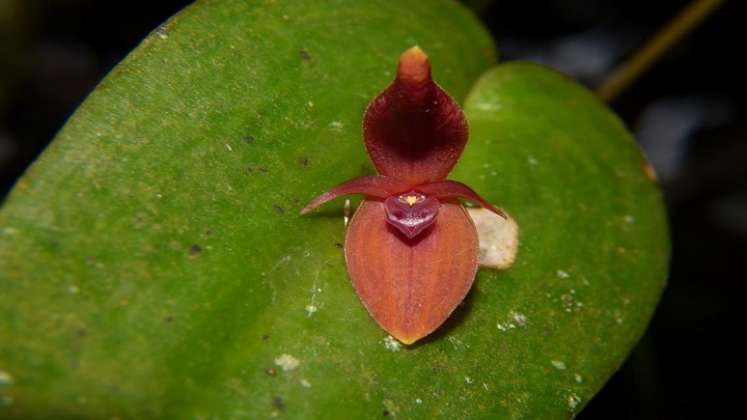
(594, 245)
(153, 265)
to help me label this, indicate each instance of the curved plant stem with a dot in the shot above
(669, 35)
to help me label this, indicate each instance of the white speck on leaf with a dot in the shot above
(457, 342)
(562, 274)
(532, 161)
(312, 307)
(336, 125)
(468, 380)
(6, 378)
(228, 146)
(520, 318)
(557, 364)
(418, 401)
(287, 362)
(505, 326)
(391, 343)
(305, 383)
(579, 379)
(517, 319)
(282, 261)
(488, 106)
(573, 401)
(618, 317)
(569, 302)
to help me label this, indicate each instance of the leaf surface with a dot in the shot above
(153, 265)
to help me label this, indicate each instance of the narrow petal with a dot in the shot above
(414, 130)
(373, 186)
(454, 189)
(411, 286)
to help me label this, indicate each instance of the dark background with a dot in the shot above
(688, 113)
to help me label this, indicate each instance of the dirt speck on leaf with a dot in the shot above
(195, 250)
(278, 403)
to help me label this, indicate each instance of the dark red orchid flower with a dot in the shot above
(411, 247)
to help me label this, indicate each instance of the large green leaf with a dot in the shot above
(152, 263)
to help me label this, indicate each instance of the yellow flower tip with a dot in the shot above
(414, 66)
(406, 339)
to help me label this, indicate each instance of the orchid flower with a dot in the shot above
(411, 248)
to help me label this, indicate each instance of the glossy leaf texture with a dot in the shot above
(153, 265)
